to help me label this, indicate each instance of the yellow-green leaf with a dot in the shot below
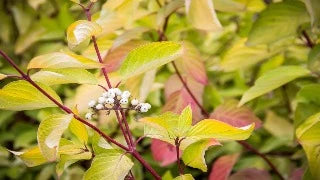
(169, 126)
(272, 80)
(280, 20)
(2, 76)
(79, 130)
(202, 15)
(21, 95)
(49, 134)
(193, 155)
(210, 128)
(111, 165)
(31, 157)
(184, 177)
(64, 76)
(60, 60)
(240, 56)
(148, 57)
(69, 153)
(313, 7)
(309, 137)
(81, 31)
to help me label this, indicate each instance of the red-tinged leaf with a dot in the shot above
(297, 174)
(191, 63)
(115, 57)
(222, 167)
(177, 97)
(163, 152)
(230, 113)
(250, 174)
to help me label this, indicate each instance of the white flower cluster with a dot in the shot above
(114, 97)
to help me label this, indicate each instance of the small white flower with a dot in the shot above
(124, 101)
(89, 116)
(99, 106)
(143, 109)
(105, 94)
(134, 102)
(109, 100)
(111, 94)
(92, 103)
(101, 100)
(117, 91)
(125, 94)
(147, 105)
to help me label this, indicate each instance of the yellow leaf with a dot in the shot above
(60, 60)
(80, 31)
(202, 15)
(31, 157)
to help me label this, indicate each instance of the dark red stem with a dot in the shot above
(203, 111)
(146, 165)
(177, 143)
(249, 147)
(308, 39)
(124, 120)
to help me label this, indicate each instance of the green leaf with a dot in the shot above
(109, 165)
(202, 15)
(169, 126)
(309, 94)
(60, 60)
(279, 127)
(309, 137)
(64, 76)
(21, 95)
(2, 76)
(76, 1)
(148, 57)
(193, 155)
(31, 157)
(167, 10)
(313, 7)
(314, 59)
(279, 21)
(81, 31)
(70, 153)
(240, 56)
(49, 134)
(184, 177)
(272, 80)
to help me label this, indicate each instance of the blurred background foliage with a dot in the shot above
(33, 27)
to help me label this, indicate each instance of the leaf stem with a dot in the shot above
(146, 165)
(177, 143)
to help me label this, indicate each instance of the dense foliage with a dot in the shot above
(151, 89)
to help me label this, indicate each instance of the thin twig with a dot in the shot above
(203, 111)
(249, 147)
(177, 143)
(308, 39)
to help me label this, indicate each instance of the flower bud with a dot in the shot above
(92, 103)
(101, 100)
(143, 109)
(109, 100)
(99, 106)
(125, 94)
(117, 91)
(111, 94)
(134, 102)
(124, 101)
(147, 105)
(89, 116)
